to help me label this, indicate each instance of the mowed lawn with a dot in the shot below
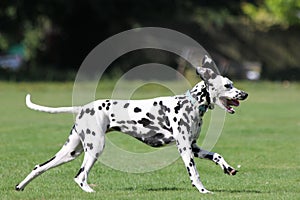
(263, 137)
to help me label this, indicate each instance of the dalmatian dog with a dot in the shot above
(156, 122)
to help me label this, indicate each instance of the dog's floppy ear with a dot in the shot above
(206, 73)
(207, 62)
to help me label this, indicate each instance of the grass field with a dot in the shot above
(263, 137)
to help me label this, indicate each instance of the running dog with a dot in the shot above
(156, 122)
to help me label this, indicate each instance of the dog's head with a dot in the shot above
(220, 89)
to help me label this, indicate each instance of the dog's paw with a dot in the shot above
(84, 186)
(230, 171)
(17, 188)
(205, 191)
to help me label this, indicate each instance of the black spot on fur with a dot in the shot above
(192, 162)
(136, 110)
(161, 112)
(177, 108)
(71, 132)
(153, 128)
(92, 112)
(47, 162)
(189, 171)
(79, 172)
(180, 151)
(100, 108)
(150, 115)
(167, 121)
(186, 117)
(81, 114)
(131, 122)
(72, 153)
(126, 105)
(82, 135)
(145, 122)
(90, 145)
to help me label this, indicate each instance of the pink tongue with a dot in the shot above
(233, 102)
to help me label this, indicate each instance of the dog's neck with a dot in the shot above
(201, 95)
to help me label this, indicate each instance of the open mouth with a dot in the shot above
(228, 103)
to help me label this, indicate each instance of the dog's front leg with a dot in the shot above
(188, 159)
(219, 160)
(215, 157)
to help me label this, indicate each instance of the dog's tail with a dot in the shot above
(34, 106)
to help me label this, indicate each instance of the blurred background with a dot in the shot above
(48, 40)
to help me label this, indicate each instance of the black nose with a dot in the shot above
(244, 95)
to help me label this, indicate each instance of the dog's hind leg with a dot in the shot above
(93, 147)
(215, 157)
(71, 149)
(82, 175)
(90, 157)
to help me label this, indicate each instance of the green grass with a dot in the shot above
(263, 137)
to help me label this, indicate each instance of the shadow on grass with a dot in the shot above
(241, 191)
(165, 189)
(185, 189)
(157, 189)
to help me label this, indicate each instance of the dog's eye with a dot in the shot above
(228, 86)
